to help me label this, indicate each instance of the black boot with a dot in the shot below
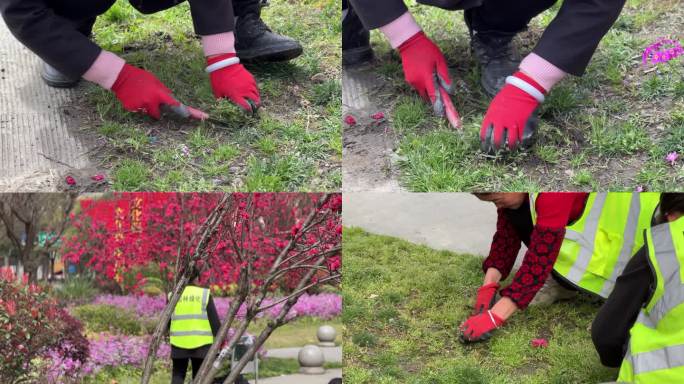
(55, 78)
(496, 57)
(255, 42)
(356, 47)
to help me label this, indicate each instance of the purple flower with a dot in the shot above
(672, 158)
(639, 188)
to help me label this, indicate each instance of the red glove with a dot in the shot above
(479, 327)
(425, 69)
(234, 82)
(485, 297)
(140, 91)
(511, 116)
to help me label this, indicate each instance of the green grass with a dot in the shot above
(403, 303)
(610, 128)
(294, 144)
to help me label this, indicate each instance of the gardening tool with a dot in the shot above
(442, 99)
(190, 113)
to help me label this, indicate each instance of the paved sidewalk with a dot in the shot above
(331, 354)
(33, 125)
(457, 222)
(303, 379)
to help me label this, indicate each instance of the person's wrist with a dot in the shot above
(504, 308)
(400, 29)
(105, 70)
(217, 44)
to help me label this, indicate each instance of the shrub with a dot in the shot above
(79, 289)
(105, 318)
(33, 328)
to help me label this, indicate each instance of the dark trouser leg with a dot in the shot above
(254, 40)
(196, 364)
(505, 16)
(180, 366)
(492, 28)
(355, 38)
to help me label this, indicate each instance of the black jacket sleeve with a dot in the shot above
(570, 40)
(52, 37)
(633, 289)
(214, 320)
(376, 13)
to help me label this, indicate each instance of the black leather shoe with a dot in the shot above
(496, 57)
(255, 42)
(55, 78)
(356, 49)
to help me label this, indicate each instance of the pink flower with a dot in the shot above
(97, 177)
(540, 343)
(70, 180)
(639, 188)
(350, 120)
(672, 158)
(378, 116)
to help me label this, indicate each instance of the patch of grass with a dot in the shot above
(430, 292)
(297, 333)
(144, 154)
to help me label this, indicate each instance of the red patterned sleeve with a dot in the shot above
(536, 267)
(504, 248)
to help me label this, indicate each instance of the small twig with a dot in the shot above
(56, 161)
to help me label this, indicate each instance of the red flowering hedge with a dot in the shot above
(32, 325)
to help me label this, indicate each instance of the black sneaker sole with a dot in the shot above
(357, 56)
(268, 54)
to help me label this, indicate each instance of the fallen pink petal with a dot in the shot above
(70, 180)
(672, 158)
(540, 343)
(350, 120)
(378, 116)
(97, 177)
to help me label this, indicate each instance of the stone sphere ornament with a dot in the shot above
(311, 360)
(326, 336)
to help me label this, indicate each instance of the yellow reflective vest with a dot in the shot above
(190, 327)
(598, 245)
(656, 347)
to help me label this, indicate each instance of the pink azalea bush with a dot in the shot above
(325, 305)
(106, 351)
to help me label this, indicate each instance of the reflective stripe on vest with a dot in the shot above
(598, 245)
(190, 327)
(656, 347)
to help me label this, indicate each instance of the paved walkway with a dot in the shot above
(457, 222)
(33, 125)
(303, 379)
(331, 354)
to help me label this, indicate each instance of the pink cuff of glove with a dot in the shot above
(218, 43)
(543, 72)
(105, 70)
(400, 30)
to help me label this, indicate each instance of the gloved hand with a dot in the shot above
(140, 91)
(479, 327)
(512, 117)
(425, 69)
(485, 297)
(234, 82)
